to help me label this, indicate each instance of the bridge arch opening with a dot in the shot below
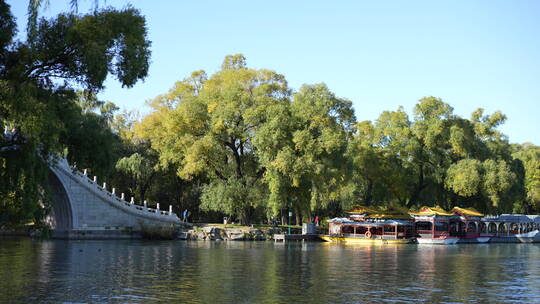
(61, 217)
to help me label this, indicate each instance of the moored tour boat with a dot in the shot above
(470, 228)
(536, 226)
(527, 237)
(513, 228)
(385, 232)
(440, 240)
(369, 225)
(432, 226)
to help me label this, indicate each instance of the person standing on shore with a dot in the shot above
(185, 215)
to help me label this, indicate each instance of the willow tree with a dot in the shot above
(482, 172)
(205, 128)
(303, 148)
(529, 156)
(435, 158)
(381, 153)
(38, 78)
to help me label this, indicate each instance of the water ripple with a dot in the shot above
(264, 272)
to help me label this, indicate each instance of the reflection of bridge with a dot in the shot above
(84, 209)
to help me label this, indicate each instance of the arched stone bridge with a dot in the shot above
(84, 209)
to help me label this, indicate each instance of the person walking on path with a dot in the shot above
(185, 215)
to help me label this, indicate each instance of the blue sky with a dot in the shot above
(379, 54)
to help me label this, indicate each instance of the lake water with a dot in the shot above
(265, 272)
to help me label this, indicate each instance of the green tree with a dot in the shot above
(303, 148)
(380, 175)
(529, 156)
(436, 158)
(87, 135)
(37, 97)
(465, 177)
(205, 128)
(140, 170)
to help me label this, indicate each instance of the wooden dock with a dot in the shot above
(296, 237)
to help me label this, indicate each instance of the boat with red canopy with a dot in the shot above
(432, 226)
(470, 228)
(371, 225)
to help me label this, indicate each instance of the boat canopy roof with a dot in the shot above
(391, 213)
(384, 223)
(534, 218)
(342, 220)
(396, 216)
(513, 218)
(371, 224)
(376, 213)
(396, 222)
(466, 211)
(358, 209)
(431, 211)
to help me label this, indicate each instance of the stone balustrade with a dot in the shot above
(110, 198)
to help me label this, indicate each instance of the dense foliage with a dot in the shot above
(256, 149)
(436, 158)
(40, 110)
(237, 143)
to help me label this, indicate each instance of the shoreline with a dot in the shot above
(218, 235)
(201, 232)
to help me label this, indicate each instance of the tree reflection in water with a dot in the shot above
(264, 272)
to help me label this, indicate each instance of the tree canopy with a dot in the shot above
(436, 158)
(258, 148)
(239, 142)
(205, 127)
(39, 103)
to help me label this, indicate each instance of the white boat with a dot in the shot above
(513, 228)
(483, 239)
(470, 228)
(527, 237)
(437, 241)
(474, 240)
(432, 226)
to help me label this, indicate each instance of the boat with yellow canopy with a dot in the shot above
(432, 226)
(371, 225)
(470, 228)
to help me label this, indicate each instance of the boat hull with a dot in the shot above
(536, 238)
(350, 240)
(528, 237)
(437, 241)
(474, 240)
(483, 239)
(505, 239)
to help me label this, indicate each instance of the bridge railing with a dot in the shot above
(142, 209)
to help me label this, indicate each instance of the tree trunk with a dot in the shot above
(309, 216)
(418, 188)
(247, 215)
(369, 192)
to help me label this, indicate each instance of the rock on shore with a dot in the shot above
(214, 233)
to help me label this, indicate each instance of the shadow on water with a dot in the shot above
(265, 272)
